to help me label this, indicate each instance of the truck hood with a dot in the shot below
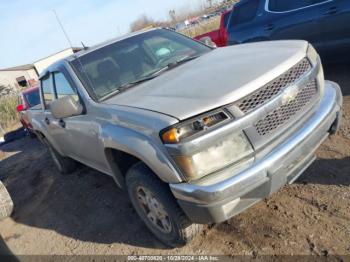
(217, 78)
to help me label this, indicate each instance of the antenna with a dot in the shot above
(64, 31)
(85, 47)
(70, 44)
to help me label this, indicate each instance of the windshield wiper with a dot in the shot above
(186, 59)
(163, 69)
(168, 66)
(177, 63)
(136, 82)
(128, 85)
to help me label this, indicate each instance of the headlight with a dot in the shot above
(199, 162)
(223, 153)
(192, 127)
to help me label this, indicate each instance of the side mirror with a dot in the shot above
(64, 107)
(20, 108)
(6, 204)
(207, 41)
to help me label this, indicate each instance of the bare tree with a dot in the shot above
(141, 22)
(2, 87)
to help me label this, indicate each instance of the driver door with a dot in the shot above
(77, 135)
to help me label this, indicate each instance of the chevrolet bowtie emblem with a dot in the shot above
(290, 94)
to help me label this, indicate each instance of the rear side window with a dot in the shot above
(244, 12)
(47, 89)
(63, 87)
(284, 6)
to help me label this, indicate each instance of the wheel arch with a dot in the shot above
(125, 147)
(120, 162)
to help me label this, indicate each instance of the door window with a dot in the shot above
(284, 6)
(47, 89)
(245, 12)
(63, 87)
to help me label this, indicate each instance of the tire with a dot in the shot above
(178, 229)
(6, 204)
(64, 165)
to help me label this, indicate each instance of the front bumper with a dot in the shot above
(220, 201)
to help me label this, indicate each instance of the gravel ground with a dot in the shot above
(84, 213)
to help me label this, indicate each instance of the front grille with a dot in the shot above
(284, 113)
(264, 94)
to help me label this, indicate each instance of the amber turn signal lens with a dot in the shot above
(207, 121)
(170, 136)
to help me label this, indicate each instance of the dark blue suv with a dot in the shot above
(324, 23)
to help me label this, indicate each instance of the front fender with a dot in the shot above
(144, 147)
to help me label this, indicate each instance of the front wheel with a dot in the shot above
(158, 209)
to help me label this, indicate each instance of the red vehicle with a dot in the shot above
(219, 37)
(29, 98)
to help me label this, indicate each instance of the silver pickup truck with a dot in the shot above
(195, 134)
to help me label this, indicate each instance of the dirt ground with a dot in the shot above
(84, 213)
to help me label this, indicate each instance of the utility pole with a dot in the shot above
(203, 4)
(172, 15)
(210, 2)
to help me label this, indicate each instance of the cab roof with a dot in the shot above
(93, 48)
(106, 43)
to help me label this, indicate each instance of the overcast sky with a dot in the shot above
(29, 31)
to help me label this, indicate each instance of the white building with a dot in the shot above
(43, 63)
(16, 78)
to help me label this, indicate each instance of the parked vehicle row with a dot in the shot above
(194, 134)
(219, 37)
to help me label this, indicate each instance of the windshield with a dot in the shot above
(32, 98)
(109, 68)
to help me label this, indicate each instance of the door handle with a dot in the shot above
(331, 11)
(269, 27)
(62, 123)
(47, 121)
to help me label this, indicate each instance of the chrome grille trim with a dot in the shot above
(284, 113)
(244, 122)
(272, 89)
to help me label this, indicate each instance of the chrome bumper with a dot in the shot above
(220, 201)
